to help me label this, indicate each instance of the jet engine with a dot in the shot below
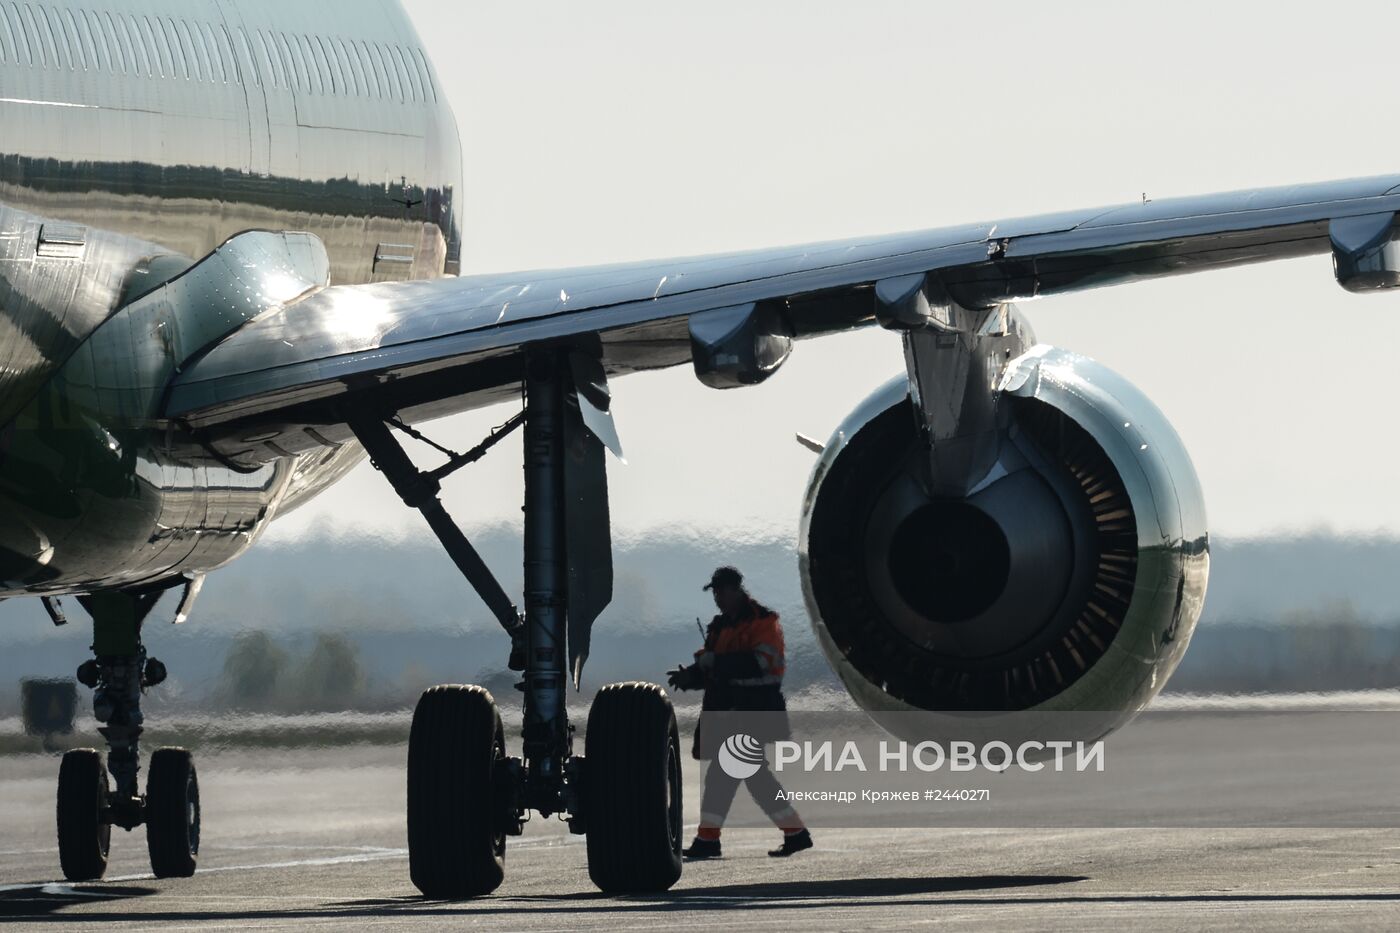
(1069, 578)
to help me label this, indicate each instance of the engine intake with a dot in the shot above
(1071, 577)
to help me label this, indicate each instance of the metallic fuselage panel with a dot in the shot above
(135, 139)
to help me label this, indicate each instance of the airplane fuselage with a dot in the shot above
(135, 138)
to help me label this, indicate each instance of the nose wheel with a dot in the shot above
(84, 828)
(172, 813)
(87, 808)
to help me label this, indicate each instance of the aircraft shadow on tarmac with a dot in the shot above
(781, 893)
(46, 902)
(40, 900)
(854, 888)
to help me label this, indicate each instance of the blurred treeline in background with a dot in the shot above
(337, 624)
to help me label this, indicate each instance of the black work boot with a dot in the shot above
(703, 849)
(792, 842)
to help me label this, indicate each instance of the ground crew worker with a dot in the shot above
(740, 667)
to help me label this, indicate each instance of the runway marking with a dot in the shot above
(370, 855)
(53, 888)
(375, 855)
(361, 854)
(256, 846)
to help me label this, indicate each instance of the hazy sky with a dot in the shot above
(621, 130)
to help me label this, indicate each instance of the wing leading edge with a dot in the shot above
(448, 344)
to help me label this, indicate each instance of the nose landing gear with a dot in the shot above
(89, 804)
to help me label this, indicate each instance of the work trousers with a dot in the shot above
(719, 792)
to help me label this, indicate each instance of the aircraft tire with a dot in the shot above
(456, 846)
(632, 789)
(172, 813)
(84, 836)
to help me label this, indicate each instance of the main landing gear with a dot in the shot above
(90, 802)
(465, 793)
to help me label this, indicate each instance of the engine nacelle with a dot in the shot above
(1070, 578)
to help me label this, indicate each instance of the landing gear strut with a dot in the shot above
(89, 803)
(465, 795)
(546, 735)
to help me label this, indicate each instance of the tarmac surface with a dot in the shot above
(301, 838)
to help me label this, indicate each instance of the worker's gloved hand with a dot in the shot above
(686, 678)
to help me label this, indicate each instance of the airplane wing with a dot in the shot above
(437, 346)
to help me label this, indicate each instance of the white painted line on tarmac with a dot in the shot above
(361, 854)
(375, 856)
(51, 888)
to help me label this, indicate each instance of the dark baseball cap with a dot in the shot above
(725, 576)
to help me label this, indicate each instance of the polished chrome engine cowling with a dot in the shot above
(1069, 578)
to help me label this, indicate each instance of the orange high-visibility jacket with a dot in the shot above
(747, 675)
(748, 650)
